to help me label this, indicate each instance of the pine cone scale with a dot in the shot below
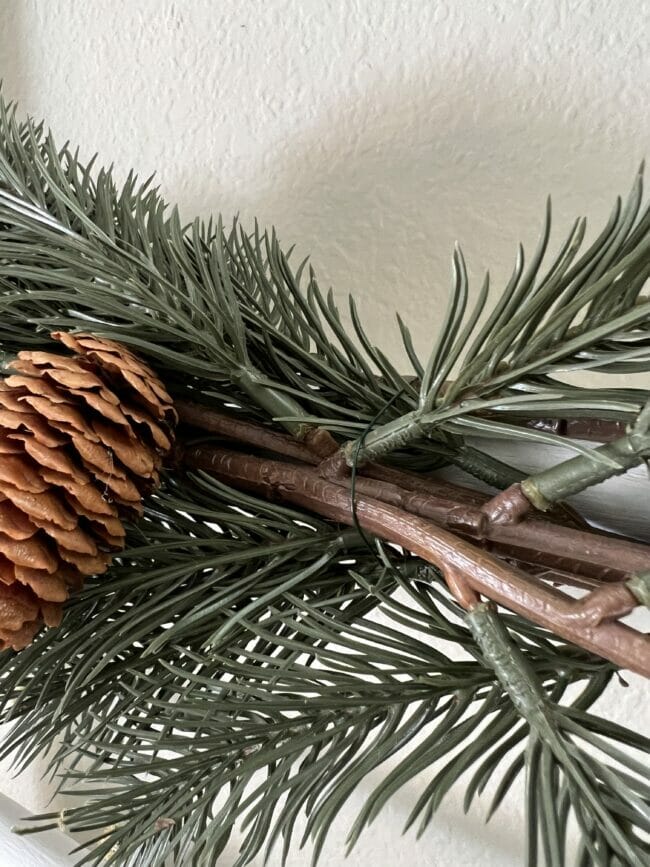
(14, 523)
(32, 552)
(84, 498)
(40, 430)
(75, 540)
(45, 506)
(21, 473)
(48, 587)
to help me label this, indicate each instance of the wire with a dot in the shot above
(353, 486)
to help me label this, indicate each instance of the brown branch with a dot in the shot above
(561, 513)
(471, 571)
(508, 507)
(242, 431)
(589, 554)
(598, 430)
(581, 552)
(573, 475)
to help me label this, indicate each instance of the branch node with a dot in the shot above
(320, 442)
(336, 466)
(509, 506)
(458, 586)
(605, 603)
(534, 496)
(468, 518)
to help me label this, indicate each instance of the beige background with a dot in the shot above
(373, 134)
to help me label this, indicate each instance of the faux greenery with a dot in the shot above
(245, 661)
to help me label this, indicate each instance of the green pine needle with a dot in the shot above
(243, 664)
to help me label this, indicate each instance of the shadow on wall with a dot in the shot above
(13, 63)
(379, 189)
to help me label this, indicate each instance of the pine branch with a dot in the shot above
(534, 330)
(234, 634)
(373, 679)
(554, 754)
(133, 713)
(278, 328)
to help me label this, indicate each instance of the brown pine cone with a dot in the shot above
(82, 438)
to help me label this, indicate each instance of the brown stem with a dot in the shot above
(538, 542)
(243, 431)
(599, 430)
(606, 558)
(561, 513)
(472, 569)
(508, 507)
(573, 475)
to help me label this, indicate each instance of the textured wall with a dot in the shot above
(372, 134)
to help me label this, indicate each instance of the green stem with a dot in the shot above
(272, 400)
(576, 474)
(404, 430)
(512, 669)
(539, 710)
(640, 588)
(387, 438)
(487, 469)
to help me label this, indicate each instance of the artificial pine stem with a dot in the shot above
(409, 428)
(275, 402)
(547, 733)
(207, 632)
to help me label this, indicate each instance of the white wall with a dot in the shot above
(372, 134)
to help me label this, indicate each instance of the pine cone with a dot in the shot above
(82, 439)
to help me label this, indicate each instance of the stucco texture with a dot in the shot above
(373, 134)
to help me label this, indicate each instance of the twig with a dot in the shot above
(314, 445)
(239, 430)
(572, 476)
(460, 562)
(575, 549)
